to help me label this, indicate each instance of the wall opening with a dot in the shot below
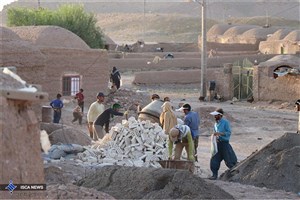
(70, 85)
(281, 71)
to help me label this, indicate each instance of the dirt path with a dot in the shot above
(253, 126)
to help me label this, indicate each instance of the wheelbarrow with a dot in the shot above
(178, 164)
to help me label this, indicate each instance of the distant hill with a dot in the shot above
(175, 21)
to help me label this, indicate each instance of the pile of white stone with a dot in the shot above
(132, 143)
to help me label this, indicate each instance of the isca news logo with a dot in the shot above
(11, 187)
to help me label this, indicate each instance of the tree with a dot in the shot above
(68, 16)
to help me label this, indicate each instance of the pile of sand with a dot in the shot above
(131, 182)
(70, 191)
(149, 183)
(276, 166)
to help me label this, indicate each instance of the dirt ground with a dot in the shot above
(254, 125)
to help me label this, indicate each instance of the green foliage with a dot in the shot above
(70, 17)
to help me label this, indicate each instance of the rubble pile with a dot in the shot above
(276, 166)
(132, 143)
(128, 98)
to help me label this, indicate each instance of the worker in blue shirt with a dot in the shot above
(57, 105)
(225, 152)
(192, 120)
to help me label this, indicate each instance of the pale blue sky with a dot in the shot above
(4, 2)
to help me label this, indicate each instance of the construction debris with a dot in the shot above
(132, 143)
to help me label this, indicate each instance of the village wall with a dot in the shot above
(91, 65)
(265, 87)
(222, 77)
(184, 62)
(231, 46)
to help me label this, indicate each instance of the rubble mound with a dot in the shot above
(50, 127)
(128, 100)
(150, 183)
(69, 136)
(276, 166)
(70, 191)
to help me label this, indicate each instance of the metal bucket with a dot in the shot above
(178, 164)
(152, 111)
(47, 114)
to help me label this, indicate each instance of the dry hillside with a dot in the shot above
(158, 21)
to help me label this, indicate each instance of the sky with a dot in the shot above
(5, 2)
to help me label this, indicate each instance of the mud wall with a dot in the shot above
(182, 61)
(284, 88)
(221, 75)
(231, 47)
(20, 151)
(90, 65)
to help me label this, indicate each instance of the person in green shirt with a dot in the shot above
(181, 136)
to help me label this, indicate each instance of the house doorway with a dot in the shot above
(242, 74)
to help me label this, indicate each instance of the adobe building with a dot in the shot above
(267, 40)
(283, 41)
(56, 59)
(277, 79)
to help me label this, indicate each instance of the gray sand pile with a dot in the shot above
(276, 166)
(70, 191)
(149, 183)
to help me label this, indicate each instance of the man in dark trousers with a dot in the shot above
(115, 77)
(103, 120)
(225, 152)
(57, 105)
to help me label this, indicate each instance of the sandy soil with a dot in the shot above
(253, 126)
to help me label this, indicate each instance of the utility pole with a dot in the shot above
(39, 4)
(203, 52)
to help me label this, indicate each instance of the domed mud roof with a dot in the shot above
(218, 29)
(50, 36)
(238, 30)
(289, 60)
(17, 52)
(259, 33)
(7, 34)
(293, 36)
(279, 35)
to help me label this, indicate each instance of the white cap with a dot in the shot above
(215, 113)
(179, 109)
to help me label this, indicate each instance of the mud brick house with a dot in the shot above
(56, 59)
